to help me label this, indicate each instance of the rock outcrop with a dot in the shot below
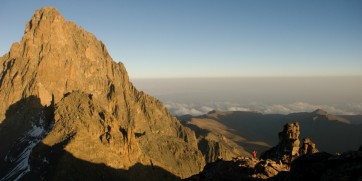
(308, 147)
(288, 146)
(64, 75)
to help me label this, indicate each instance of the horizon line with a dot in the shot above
(236, 77)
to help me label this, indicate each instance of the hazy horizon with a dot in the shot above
(336, 95)
(294, 56)
(213, 38)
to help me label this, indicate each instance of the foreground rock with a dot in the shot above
(288, 162)
(318, 166)
(60, 79)
(269, 168)
(242, 168)
(324, 166)
(306, 163)
(236, 169)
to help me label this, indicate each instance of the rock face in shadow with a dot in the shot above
(325, 166)
(236, 169)
(55, 163)
(26, 123)
(93, 104)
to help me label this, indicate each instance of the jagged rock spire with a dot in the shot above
(56, 58)
(288, 146)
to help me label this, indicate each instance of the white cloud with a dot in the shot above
(235, 108)
(182, 109)
(199, 109)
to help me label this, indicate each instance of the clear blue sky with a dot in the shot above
(213, 38)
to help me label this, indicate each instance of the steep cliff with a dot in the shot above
(63, 75)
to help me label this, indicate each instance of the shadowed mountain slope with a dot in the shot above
(256, 131)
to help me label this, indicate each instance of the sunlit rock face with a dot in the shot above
(94, 115)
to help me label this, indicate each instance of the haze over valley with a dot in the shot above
(283, 95)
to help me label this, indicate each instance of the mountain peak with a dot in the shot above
(61, 77)
(43, 18)
(63, 57)
(48, 11)
(320, 112)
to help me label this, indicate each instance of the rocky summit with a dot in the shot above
(69, 112)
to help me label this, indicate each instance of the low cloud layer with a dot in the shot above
(283, 95)
(199, 109)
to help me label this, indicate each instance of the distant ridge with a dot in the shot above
(330, 132)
